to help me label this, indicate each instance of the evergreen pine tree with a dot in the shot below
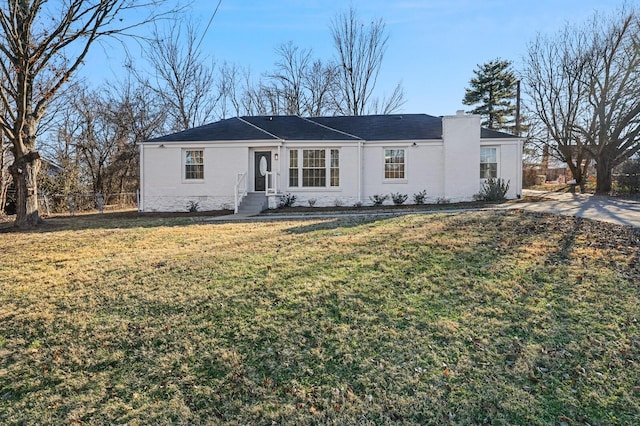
(493, 90)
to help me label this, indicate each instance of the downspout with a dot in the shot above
(519, 175)
(279, 173)
(141, 202)
(360, 162)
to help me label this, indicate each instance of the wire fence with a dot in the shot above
(88, 202)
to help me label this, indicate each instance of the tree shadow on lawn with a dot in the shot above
(115, 220)
(560, 343)
(334, 223)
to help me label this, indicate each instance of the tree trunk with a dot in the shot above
(4, 187)
(578, 174)
(4, 182)
(603, 177)
(25, 172)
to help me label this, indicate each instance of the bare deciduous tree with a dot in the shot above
(287, 86)
(180, 75)
(360, 51)
(552, 76)
(42, 44)
(585, 84)
(228, 86)
(320, 84)
(611, 129)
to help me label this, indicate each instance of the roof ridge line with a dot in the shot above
(261, 129)
(310, 119)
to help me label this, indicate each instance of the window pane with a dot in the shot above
(314, 172)
(194, 164)
(335, 158)
(335, 168)
(488, 163)
(293, 167)
(394, 164)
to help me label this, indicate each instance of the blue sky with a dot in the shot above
(433, 48)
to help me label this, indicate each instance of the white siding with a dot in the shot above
(509, 164)
(165, 189)
(423, 170)
(447, 168)
(461, 134)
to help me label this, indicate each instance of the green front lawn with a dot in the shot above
(468, 318)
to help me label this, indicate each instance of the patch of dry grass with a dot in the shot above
(470, 318)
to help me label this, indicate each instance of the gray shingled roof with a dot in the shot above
(291, 127)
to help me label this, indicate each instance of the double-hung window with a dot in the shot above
(394, 163)
(488, 162)
(314, 168)
(193, 164)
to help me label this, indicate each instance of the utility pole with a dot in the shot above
(518, 108)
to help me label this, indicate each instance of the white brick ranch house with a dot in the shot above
(333, 160)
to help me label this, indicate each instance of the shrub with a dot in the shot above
(288, 200)
(357, 204)
(193, 206)
(420, 197)
(442, 200)
(493, 190)
(398, 198)
(312, 202)
(337, 202)
(378, 199)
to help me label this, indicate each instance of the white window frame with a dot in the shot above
(497, 162)
(300, 168)
(404, 163)
(185, 178)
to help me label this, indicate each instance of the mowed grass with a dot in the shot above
(469, 318)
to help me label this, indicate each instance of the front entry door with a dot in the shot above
(262, 166)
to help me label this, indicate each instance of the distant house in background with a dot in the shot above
(252, 162)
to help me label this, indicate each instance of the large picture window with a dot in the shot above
(394, 164)
(488, 162)
(314, 168)
(193, 164)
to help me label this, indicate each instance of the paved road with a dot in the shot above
(603, 208)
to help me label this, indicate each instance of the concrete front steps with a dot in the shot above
(253, 203)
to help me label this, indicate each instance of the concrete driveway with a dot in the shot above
(607, 209)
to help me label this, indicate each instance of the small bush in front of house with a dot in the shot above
(378, 199)
(288, 200)
(493, 190)
(398, 198)
(311, 202)
(337, 202)
(442, 200)
(420, 197)
(193, 206)
(357, 204)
